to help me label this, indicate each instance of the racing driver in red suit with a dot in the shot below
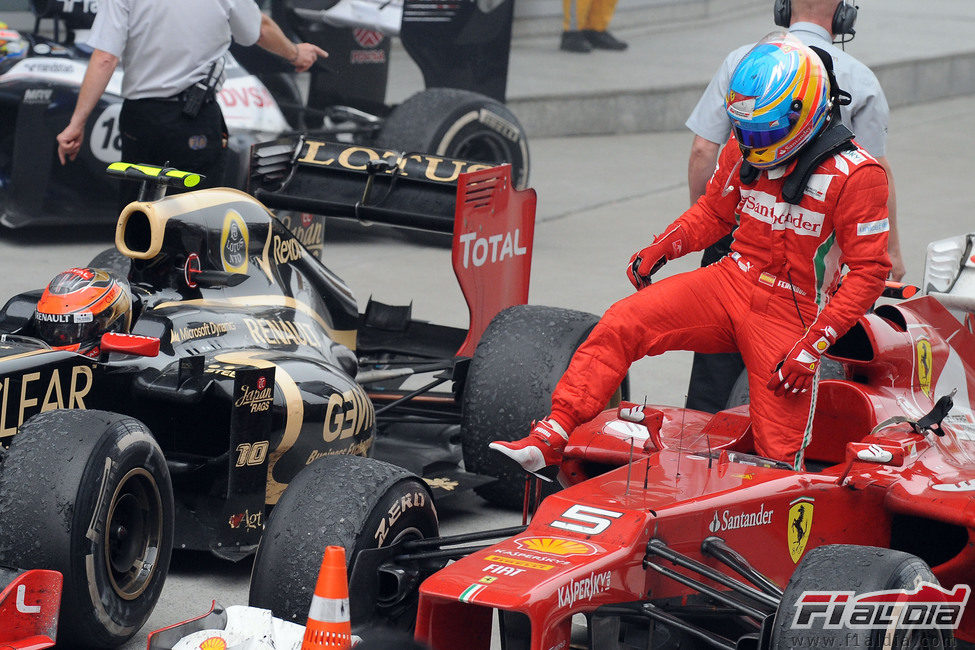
(806, 201)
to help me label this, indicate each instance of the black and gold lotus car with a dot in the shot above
(246, 361)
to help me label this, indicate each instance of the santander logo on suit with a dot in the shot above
(780, 215)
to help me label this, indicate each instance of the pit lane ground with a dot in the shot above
(600, 199)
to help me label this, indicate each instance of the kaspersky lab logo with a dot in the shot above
(929, 606)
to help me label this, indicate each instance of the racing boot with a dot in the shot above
(539, 449)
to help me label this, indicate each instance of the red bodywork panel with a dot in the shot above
(29, 606)
(494, 225)
(691, 477)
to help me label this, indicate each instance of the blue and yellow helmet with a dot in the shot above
(778, 99)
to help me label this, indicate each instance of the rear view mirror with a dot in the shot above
(143, 346)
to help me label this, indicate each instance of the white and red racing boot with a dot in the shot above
(539, 449)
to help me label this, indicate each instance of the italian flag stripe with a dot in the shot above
(468, 594)
(819, 263)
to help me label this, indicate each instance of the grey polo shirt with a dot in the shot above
(166, 46)
(867, 115)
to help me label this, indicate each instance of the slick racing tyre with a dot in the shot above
(858, 569)
(359, 504)
(517, 364)
(458, 124)
(88, 493)
(828, 369)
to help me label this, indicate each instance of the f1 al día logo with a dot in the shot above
(929, 606)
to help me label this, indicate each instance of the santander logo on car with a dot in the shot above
(729, 521)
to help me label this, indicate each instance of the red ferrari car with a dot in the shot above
(671, 533)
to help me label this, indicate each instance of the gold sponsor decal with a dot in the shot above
(257, 399)
(222, 369)
(285, 250)
(555, 546)
(270, 332)
(521, 563)
(347, 413)
(234, 243)
(443, 483)
(925, 359)
(294, 411)
(201, 331)
(355, 158)
(247, 519)
(61, 389)
(345, 337)
(355, 449)
(800, 521)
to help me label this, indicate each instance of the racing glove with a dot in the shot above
(794, 374)
(648, 261)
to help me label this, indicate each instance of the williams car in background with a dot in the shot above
(460, 114)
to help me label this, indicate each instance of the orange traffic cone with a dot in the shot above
(328, 617)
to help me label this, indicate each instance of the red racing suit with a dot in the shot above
(778, 282)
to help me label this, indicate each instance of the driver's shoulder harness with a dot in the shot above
(836, 137)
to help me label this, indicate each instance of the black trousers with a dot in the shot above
(713, 375)
(156, 132)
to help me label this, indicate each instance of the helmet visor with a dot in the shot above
(67, 329)
(755, 137)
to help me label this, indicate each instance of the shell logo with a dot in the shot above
(555, 546)
(214, 643)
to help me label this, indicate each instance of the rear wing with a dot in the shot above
(493, 224)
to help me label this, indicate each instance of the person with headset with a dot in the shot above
(803, 200)
(818, 23)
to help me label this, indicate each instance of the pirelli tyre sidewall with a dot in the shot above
(857, 569)
(517, 363)
(349, 501)
(88, 493)
(459, 124)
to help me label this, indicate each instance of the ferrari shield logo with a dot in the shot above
(924, 360)
(800, 521)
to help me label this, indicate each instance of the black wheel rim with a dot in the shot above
(133, 533)
(393, 600)
(482, 147)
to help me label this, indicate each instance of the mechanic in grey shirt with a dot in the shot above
(713, 375)
(165, 49)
